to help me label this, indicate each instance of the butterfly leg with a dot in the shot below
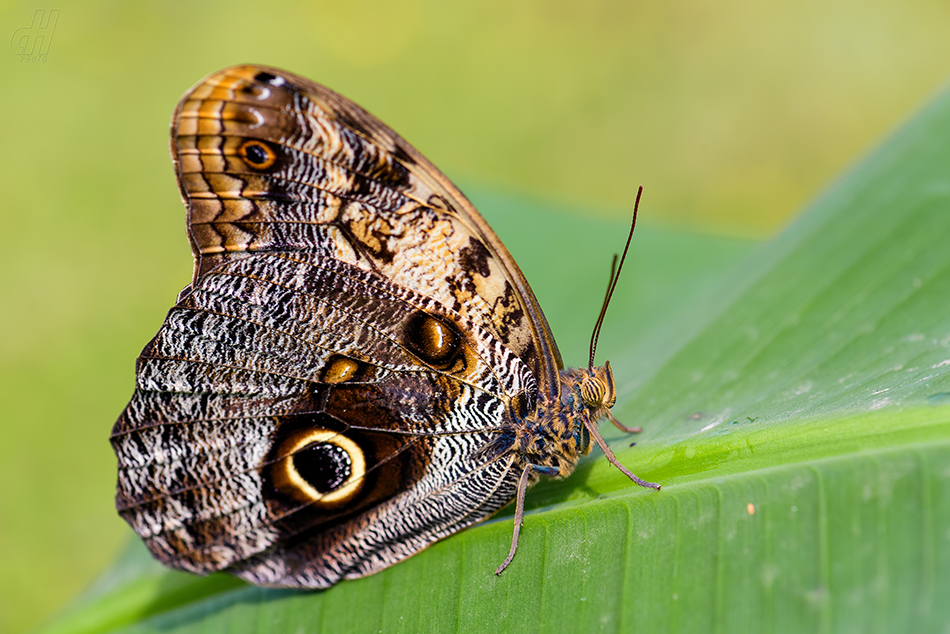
(519, 508)
(621, 426)
(595, 434)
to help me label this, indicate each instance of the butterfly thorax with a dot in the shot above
(557, 434)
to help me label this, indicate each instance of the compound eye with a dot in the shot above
(593, 391)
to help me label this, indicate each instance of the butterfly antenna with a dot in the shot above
(600, 318)
(612, 284)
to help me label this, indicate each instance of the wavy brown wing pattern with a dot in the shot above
(317, 404)
(269, 161)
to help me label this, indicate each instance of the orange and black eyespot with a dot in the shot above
(340, 369)
(257, 154)
(434, 341)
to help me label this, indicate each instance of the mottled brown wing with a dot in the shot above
(350, 313)
(269, 161)
(269, 349)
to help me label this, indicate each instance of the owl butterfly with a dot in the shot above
(358, 367)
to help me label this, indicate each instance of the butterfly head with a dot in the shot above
(593, 393)
(597, 389)
(597, 394)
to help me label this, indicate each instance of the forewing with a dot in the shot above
(269, 161)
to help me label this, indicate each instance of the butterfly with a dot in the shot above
(357, 369)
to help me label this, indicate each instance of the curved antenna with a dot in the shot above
(612, 284)
(594, 336)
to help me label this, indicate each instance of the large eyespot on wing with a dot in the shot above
(269, 161)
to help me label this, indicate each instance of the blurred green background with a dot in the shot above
(732, 114)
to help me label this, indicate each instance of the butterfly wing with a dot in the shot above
(332, 180)
(316, 404)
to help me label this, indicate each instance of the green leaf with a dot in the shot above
(797, 418)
